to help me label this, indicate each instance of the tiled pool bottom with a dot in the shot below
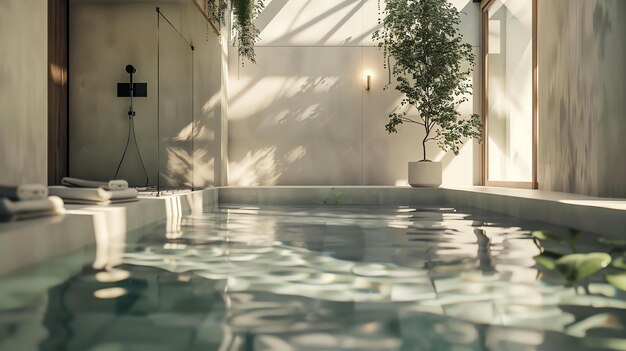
(326, 278)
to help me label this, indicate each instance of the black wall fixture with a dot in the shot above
(132, 89)
(139, 89)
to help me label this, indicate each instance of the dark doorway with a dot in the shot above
(58, 14)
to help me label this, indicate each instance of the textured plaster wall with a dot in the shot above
(183, 148)
(23, 91)
(301, 115)
(582, 96)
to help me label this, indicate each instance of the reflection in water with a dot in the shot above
(328, 278)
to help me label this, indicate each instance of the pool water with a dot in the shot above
(326, 278)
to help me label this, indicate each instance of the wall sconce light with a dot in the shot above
(368, 82)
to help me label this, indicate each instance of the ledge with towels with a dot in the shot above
(28, 201)
(88, 192)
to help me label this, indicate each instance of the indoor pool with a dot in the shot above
(326, 278)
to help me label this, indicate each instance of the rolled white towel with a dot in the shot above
(49, 205)
(113, 185)
(24, 192)
(93, 195)
(117, 184)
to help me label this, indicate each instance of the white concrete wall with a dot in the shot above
(301, 116)
(582, 96)
(108, 35)
(23, 91)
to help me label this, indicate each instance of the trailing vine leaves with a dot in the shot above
(217, 10)
(424, 51)
(243, 13)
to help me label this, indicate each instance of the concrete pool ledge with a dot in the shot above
(29, 242)
(606, 216)
(602, 215)
(330, 195)
(25, 243)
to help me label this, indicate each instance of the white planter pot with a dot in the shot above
(425, 174)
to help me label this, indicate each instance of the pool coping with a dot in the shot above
(581, 212)
(25, 243)
(21, 243)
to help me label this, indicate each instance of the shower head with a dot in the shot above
(131, 69)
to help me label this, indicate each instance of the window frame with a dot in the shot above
(533, 184)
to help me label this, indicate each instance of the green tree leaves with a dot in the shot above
(427, 60)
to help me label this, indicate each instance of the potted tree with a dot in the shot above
(425, 52)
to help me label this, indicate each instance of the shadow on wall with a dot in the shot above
(302, 123)
(582, 81)
(189, 161)
(301, 116)
(204, 142)
(293, 28)
(601, 26)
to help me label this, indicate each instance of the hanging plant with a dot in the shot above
(243, 13)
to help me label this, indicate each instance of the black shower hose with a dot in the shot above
(131, 129)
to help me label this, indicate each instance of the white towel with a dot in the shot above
(51, 205)
(112, 185)
(24, 192)
(98, 196)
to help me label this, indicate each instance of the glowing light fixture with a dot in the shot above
(368, 81)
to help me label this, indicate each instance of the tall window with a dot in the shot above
(509, 106)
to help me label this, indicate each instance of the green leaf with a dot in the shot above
(576, 267)
(541, 235)
(620, 262)
(613, 242)
(618, 280)
(547, 259)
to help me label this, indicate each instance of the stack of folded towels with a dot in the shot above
(87, 192)
(28, 201)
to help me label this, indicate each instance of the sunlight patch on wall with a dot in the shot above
(247, 98)
(194, 131)
(295, 154)
(311, 22)
(309, 113)
(263, 167)
(204, 168)
(212, 103)
(456, 169)
(185, 134)
(256, 168)
(178, 166)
